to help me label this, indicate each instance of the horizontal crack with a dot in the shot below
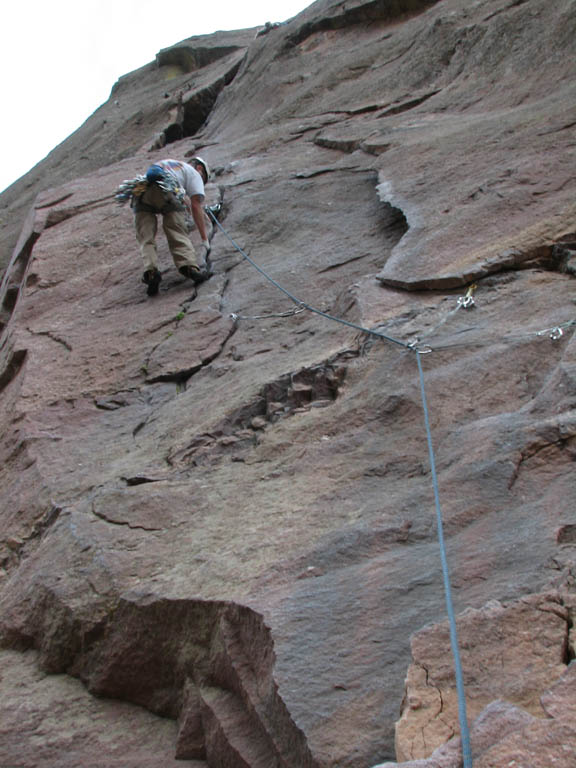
(407, 105)
(51, 203)
(53, 336)
(557, 130)
(340, 264)
(140, 480)
(122, 523)
(58, 215)
(365, 13)
(512, 5)
(551, 258)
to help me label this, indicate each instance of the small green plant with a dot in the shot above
(180, 315)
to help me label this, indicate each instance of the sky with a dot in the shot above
(60, 58)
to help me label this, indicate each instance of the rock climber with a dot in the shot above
(170, 188)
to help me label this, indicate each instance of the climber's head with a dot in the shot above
(202, 168)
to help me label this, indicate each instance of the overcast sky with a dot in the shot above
(59, 59)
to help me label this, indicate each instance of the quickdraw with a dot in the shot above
(467, 301)
(553, 333)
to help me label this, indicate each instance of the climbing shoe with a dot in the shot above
(195, 273)
(152, 278)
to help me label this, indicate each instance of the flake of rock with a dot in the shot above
(524, 641)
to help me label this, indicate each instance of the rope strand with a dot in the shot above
(462, 716)
(303, 304)
(413, 346)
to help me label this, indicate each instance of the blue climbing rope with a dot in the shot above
(300, 303)
(463, 719)
(464, 730)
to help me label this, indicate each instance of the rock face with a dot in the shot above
(509, 652)
(217, 506)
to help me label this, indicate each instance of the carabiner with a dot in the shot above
(553, 333)
(466, 302)
(556, 333)
(413, 345)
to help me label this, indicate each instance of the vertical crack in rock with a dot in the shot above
(537, 626)
(11, 366)
(190, 58)
(567, 534)
(9, 303)
(194, 107)
(568, 651)
(10, 288)
(557, 606)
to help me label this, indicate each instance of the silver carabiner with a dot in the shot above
(556, 333)
(553, 333)
(413, 345)
(466, 302)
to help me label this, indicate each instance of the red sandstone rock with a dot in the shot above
(504, 735)
(230, 520)
(53, 720)
(508, 653)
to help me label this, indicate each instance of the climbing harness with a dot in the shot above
(132, 189)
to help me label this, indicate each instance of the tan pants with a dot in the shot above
(151, 204)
